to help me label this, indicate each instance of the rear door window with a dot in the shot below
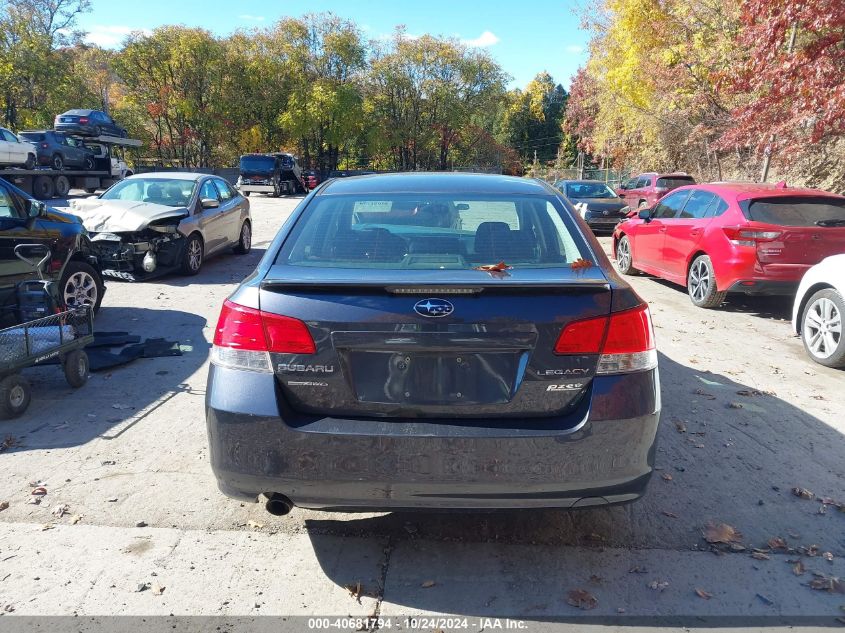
(697, 205)
(433, 231)
(796, 210)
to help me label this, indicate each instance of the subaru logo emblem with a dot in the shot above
(433, 308)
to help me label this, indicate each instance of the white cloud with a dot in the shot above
(110, 35)
(251, 18)
(574, 48)
(484, 40)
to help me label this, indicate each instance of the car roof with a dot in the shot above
(170, 175)
(746, 190)
(434, 182)
(80, 111)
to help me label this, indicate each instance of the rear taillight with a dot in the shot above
(245, 337)
(749, 237)
(45, 145)
(624, 341)
(83, 119)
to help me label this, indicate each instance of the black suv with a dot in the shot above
(88, 123)
(72, 263)
(58, 150)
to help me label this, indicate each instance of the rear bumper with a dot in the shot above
(383, 464)
(764, 287)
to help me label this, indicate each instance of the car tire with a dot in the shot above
(246, 194)
(15, 395)
(244, 240)
(701, 284)
(90, 190)
(821, 328)
(61, 185)
(57, 162)
(30, 161)
(81, 285)
(76, 368)
(624, 257)
(193, 256)
(88, 164)
(43, 188)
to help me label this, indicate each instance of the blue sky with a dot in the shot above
(525, 38)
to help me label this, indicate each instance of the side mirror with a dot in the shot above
(209, 203)
(644, 214)
(35, 208)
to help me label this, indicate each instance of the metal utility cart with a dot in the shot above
(62, 335)
(36, 339)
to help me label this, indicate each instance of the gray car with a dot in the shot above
(414, 341)
(150, 224)
(600, 206)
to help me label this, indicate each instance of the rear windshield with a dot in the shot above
(797, 211)
(589, 190)
(433, 232)
(32, 136)
(673, 182)
(264, 163)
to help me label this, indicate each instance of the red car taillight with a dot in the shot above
(750, 236)
(83, 119)
(45, 145)
(244, 337)
(624, 340)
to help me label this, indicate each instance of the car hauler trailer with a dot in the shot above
(44, 183)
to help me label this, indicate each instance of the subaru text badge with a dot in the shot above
(434, 308)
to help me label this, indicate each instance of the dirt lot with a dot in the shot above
(746, 417)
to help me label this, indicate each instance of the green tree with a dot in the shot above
(532, 121)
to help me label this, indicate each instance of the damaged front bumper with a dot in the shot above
(139, 255)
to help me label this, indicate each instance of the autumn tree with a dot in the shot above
(533, 118)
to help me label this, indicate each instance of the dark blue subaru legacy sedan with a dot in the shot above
(419, 341)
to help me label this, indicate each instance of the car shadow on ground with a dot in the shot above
(113, 400)
(764, 306)
(727, 453)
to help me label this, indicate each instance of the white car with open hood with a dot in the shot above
(150, 224)
(818, 310)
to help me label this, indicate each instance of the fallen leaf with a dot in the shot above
(721, 533)
(582, 599)
(671, 515)
(3, 505)
(355, 590)
(255, 525)
(803, 493)
(47, 526)
(111, 499)
(10, 441)
(798, 568)
(701, 392)
(680, 427)
(777, 542)
(759, 555)
(831, 584)
(581, 264)
(141, 586)
(60, 510)
(666, 477)
(703, 594)
(765, 600)
(638, 570)
(494, 268)
(735, 405)
(658, 585)
(428, 584)
(592, 536)
(828, 556)
(75, 519)
(158, 589)
(39, 491)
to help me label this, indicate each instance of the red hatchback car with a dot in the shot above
(730, 237)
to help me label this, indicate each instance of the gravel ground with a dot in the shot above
(746, 417)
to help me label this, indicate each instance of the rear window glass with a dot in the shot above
(258, 162)
(432, 232)
(674, 182)
(796, 211)
(589, 190)
(32, 136)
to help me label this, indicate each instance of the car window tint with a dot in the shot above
(718, 207)
(226, 192)
(432, 232)
(674, 182)
(797, 210)
(8, 209)
(697, 204)
(669, 206)
(209, 191)
(643, 182)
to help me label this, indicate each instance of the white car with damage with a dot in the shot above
(151, 224)
(818, 310)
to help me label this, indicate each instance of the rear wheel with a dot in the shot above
(245, 240)
(62, 186)
(192, 260)
(624, 259)
(42, 187)
(821, 328)
(57, 162)
(14, 396)
(246, 193)
(701, 284)
(76, 368)
(81, 285)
